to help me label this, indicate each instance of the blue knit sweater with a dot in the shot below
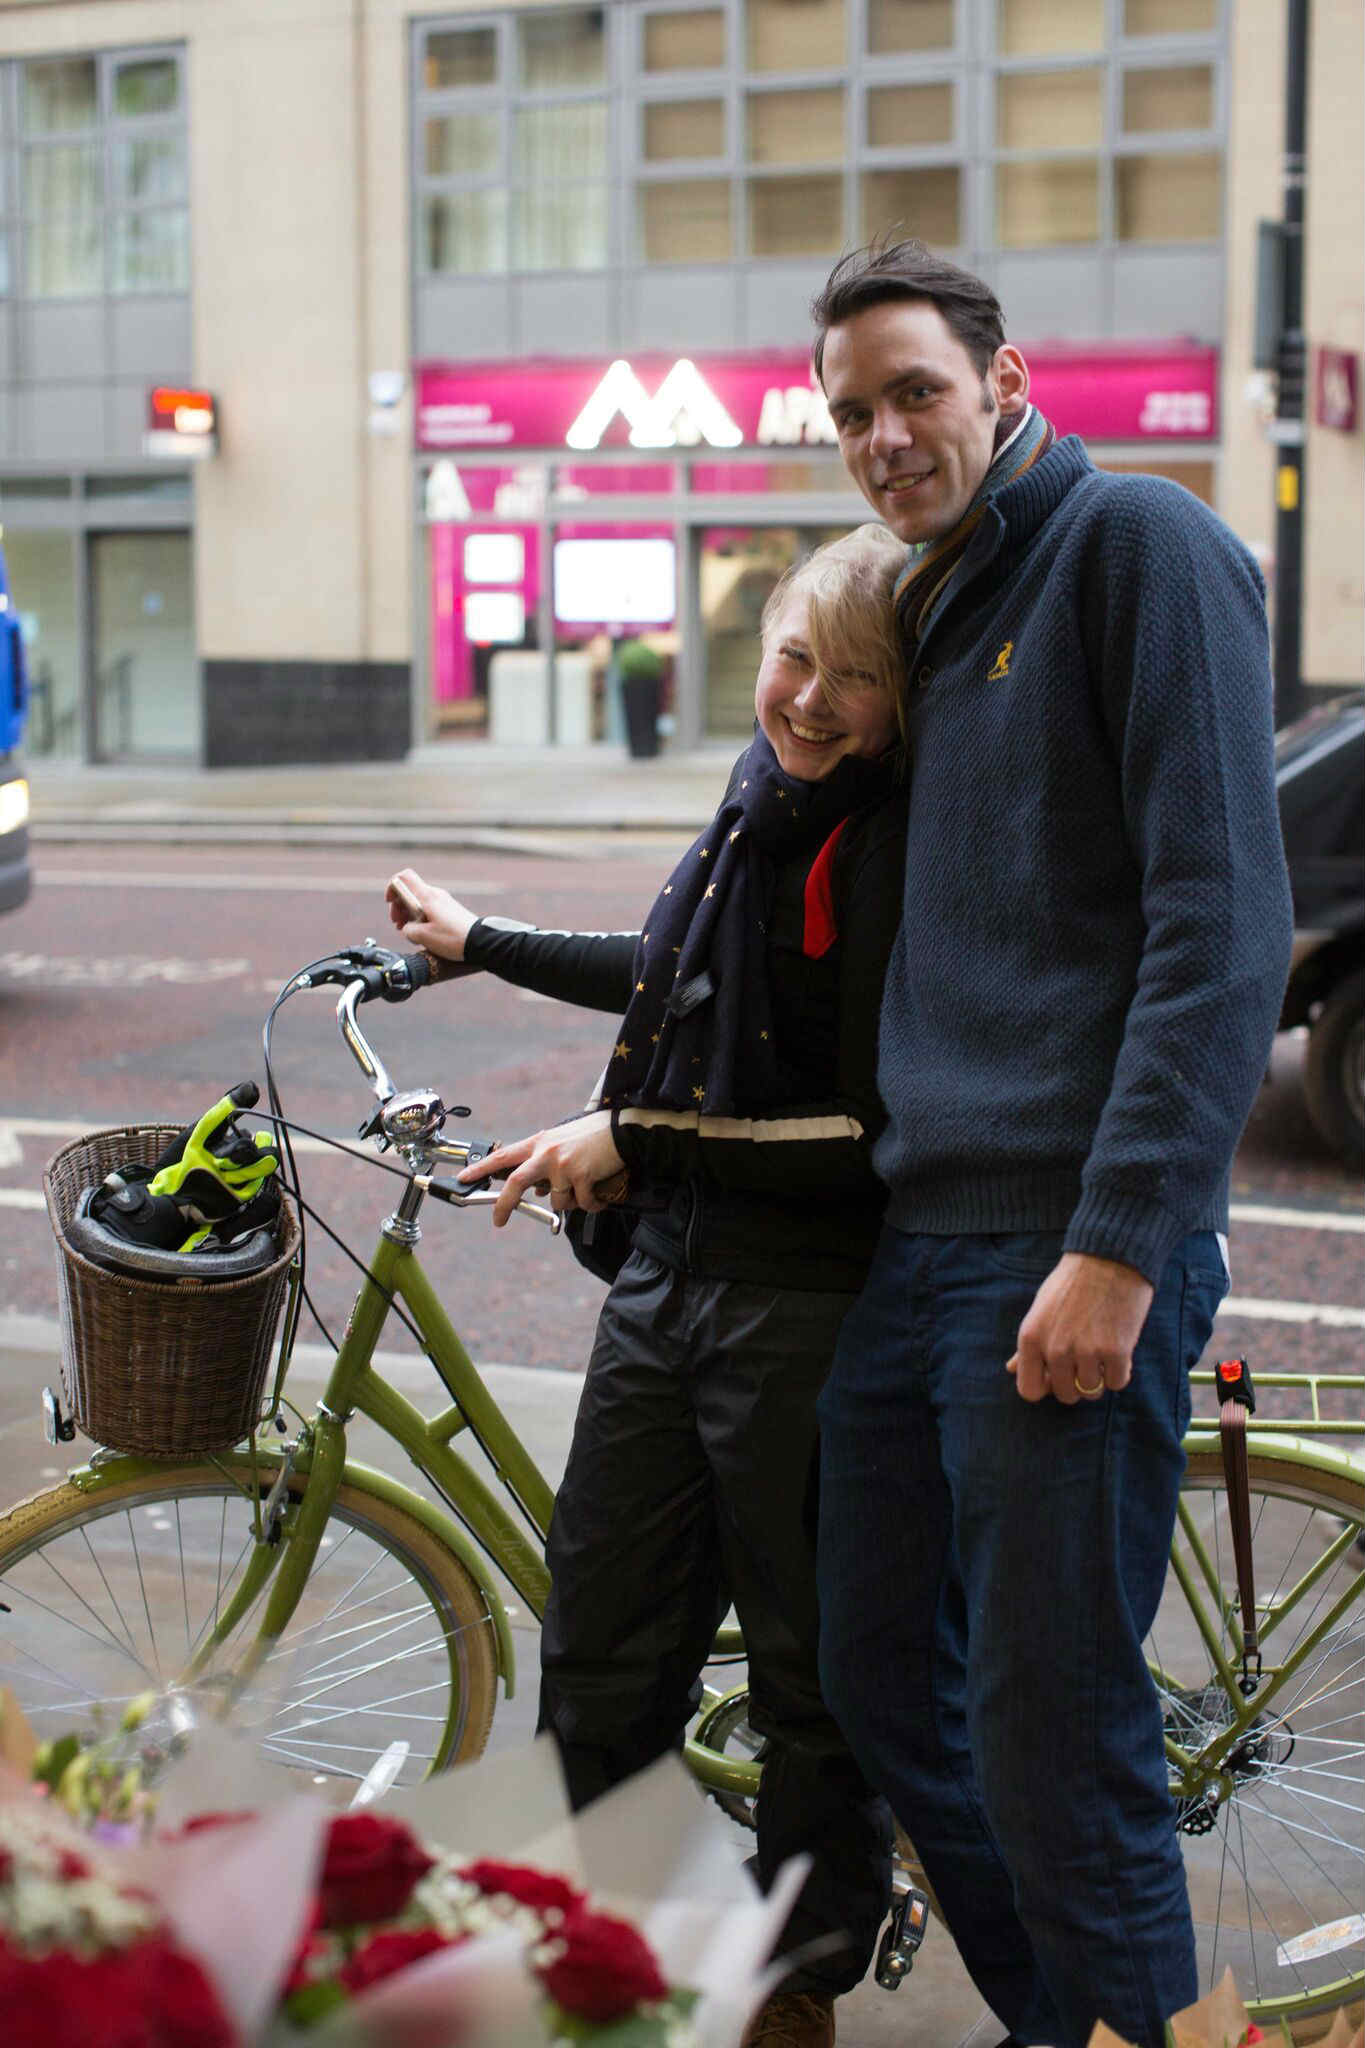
(1096, 928)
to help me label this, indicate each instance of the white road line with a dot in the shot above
(281, 883)
(22, 1198)
(1239, 1305)
(62, 1127)
(1297, 1219)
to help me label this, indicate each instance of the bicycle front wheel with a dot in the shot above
(1272, 1823)
(116, 1593)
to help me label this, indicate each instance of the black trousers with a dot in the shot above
(686, 1489)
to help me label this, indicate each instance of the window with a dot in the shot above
(678, 129)
(1036, 28)
(1169, 17)
(796, 216)
(686, 220)
(905, 27)
(796, 127)
(460, 57)
(909, 116)
(103, 174)
(513, 145)
(1178, 96)
(926, 203)
(1171, 198)
(1049, 109)
(795, 35)
(1041, 204)
(568, 137)
(684, 42)
(559, 50)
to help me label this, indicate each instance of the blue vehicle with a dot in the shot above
(14, 871)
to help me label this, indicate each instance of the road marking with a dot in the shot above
(22, 1198)
(286, 884)
(1254, 1310)
(115, 972)
(63, 1127)
(1297, 1219)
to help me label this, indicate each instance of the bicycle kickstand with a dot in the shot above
(901, 1942)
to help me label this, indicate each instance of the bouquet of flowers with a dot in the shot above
(629, 1926)
(86, 1957)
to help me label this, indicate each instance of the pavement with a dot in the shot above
(515, 799)
(937, 2007)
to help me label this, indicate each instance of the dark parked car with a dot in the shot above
(1320, 769)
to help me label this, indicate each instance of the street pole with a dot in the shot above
(1289, 430)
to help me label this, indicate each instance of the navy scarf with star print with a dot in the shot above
(698, 1033)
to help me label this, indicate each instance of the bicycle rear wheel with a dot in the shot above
(111, 1594)
(1273, 1828)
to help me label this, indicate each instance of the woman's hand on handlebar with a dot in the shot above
(576, 1163)
(440, 923)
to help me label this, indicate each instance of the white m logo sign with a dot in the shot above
(683, 412)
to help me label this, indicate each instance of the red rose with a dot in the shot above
(179, 2003)
(147, 1995)
(533, 1888)
(606, 1969)
(71, 1868)
(385, 1954)
(370, 1868)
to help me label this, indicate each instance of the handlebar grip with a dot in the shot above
(435, 969)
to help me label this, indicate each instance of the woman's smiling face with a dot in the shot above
(809, 732)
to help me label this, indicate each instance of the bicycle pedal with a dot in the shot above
(901, 1942)
(57, 1428)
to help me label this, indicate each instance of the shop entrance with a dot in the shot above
(144, 669)
(736, 569)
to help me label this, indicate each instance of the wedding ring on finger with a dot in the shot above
(1095, 1393)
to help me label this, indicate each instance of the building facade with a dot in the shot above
(502, 315)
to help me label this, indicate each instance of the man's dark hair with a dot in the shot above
(908, 270)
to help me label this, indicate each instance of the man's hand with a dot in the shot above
(1077, 1339)
(573, 1164)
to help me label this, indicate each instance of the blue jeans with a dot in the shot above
(988, 1571)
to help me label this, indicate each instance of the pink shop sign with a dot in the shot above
(769, 401)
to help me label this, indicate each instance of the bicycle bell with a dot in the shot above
(412, 1117)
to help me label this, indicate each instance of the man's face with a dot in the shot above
(915, 417)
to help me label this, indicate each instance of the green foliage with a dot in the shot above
(53, 1758)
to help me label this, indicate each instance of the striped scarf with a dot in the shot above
(1019, 443)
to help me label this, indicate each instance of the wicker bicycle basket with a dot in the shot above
(163, 1368)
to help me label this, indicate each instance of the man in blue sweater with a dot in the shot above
(1078, 1012)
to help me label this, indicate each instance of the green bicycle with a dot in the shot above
(346, 1618)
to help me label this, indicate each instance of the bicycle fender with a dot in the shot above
(114, 1470)
(1312, 1452)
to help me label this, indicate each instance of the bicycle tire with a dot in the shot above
(1297, 1508)
(109, 1592)
(1275, 1851)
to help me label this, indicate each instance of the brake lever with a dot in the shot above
(461, 1197)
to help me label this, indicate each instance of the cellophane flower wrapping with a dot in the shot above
(248, 1872)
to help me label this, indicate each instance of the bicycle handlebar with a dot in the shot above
(372, 973)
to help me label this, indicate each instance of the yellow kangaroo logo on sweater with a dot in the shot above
(1001, 666)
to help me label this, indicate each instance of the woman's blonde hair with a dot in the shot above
(851, 624)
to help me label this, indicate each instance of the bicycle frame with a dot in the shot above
(485, 1529)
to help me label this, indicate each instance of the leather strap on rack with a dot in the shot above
(1237, 1400)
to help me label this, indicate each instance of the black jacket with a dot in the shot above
(788, 1198)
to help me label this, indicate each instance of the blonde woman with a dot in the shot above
(735, 1116)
